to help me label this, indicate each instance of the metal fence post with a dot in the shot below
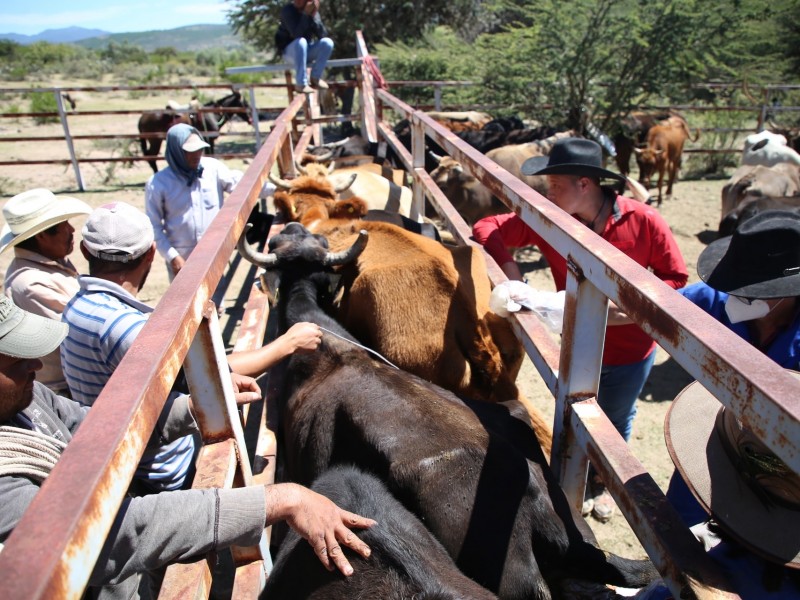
(63, 115)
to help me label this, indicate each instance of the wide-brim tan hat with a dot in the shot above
(694, 429)
(32, 212)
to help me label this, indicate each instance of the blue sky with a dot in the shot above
(116, 16)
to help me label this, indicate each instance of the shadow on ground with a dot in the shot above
(666, 380)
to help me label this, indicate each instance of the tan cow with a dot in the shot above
(470, 197)
(755, 181)
(663, 153)
(360, 181)
(470, 120)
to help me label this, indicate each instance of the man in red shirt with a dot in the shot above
(574, 170)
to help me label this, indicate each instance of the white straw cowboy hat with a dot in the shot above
(751, 494)
(32, 212)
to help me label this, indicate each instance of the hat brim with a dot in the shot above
(195, 146)
(695, 447)
(33, 337)
(537, 165)
(66, 209)
(715, 267)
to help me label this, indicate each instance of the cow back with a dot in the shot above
(426, 308)
(406, 560)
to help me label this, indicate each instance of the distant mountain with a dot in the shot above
(184, 39)
(55, 36)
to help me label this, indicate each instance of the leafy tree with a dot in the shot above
(393, 20)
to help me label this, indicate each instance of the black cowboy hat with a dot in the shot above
(760, 260)
(571, 156)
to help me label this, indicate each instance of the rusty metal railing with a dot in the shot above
(759, 391)
(54, 547)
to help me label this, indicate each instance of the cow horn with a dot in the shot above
(333, 259)
(343, 186)
(300, 168)
(324, 157)
(249, 253)
(435, 157)
(331, 167)
(281, 183)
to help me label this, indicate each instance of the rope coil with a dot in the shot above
(28, 453)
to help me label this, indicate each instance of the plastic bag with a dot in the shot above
(511, 296)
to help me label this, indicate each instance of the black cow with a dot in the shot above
(406, 560)
(472, 472)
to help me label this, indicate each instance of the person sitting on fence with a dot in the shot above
(183, 199)
(41, 278)
(105, 317)
(149, 531)
(300, 24)
(744, 503)
(574, 170)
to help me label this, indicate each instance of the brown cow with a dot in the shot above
(633, 130)
(423, 306)
(663, 153)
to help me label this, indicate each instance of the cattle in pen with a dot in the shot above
(423, 305)
(755, 182)
(471, 471)
(663, 154)
(406, 560)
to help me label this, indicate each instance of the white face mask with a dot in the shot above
(739, 309)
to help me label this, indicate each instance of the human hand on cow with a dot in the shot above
(245, 389)
(318, 521)
(302, 337)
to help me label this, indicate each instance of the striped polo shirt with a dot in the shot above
(104, 320)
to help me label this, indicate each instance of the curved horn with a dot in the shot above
(345, 256)
(343, 186)
(435, 156)
(300, 168)
(249, 253)
(281, 183)
(331, 168)
(324, 157)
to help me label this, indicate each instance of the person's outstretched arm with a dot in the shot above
(301, 337)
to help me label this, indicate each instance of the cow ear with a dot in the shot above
(269, 282)
(284, 204)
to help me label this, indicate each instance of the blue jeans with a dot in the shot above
(300, 51)
(620, 386)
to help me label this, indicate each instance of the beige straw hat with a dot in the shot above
(32, 212)
(744, 486)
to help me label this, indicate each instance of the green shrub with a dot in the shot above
(43, 102)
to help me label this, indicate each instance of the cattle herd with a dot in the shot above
(432, 438)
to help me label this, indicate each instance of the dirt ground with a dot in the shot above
(693, 213)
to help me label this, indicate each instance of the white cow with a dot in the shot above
(768, 149)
